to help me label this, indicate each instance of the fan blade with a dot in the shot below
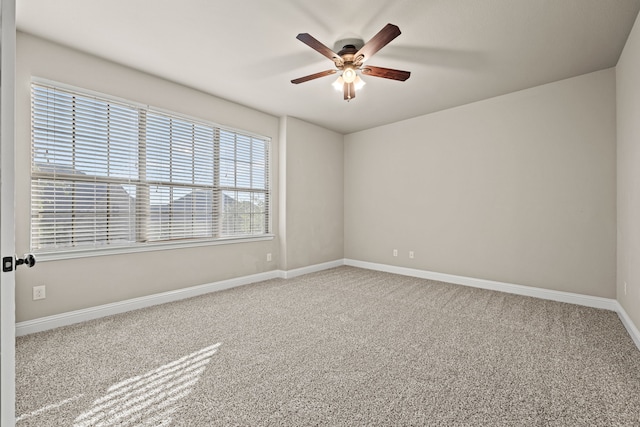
(385, 73)
(310, 41)
(380, 40)
(313, 76)
(349, 91)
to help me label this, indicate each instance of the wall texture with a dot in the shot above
(312, 194)
(86, 282)
(628, 127)
(519, 189)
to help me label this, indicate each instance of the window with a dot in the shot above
(106, 173)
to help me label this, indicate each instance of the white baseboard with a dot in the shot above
(77, 316)
(64, 319)
(586, 300)
(568, 297)
(628, 323)
(311, 269)
(71, 317)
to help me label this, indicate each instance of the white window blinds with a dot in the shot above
(107, 173)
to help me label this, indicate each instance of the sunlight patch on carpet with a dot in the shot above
(151, 398)
(48, 408)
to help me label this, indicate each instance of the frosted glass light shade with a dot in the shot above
(349, 75)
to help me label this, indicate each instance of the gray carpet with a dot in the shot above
(343, 347)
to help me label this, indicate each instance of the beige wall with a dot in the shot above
(628, 116)
(86, 282)
(519, 188)
(312, 194)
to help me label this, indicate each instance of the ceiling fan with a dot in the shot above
(350, 60)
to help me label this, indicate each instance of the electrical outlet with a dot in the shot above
(625, 288)
(39, 292)
(395, 252)
(269, 257)
(411, 254)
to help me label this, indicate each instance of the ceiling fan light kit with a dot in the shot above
(350, 61)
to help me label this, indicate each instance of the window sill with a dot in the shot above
(148, 247)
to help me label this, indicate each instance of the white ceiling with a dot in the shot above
(458, 51)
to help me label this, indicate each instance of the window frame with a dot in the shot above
(70, 252)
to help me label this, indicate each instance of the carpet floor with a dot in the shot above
(341, 347)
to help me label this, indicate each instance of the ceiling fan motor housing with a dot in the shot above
(343, 43)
